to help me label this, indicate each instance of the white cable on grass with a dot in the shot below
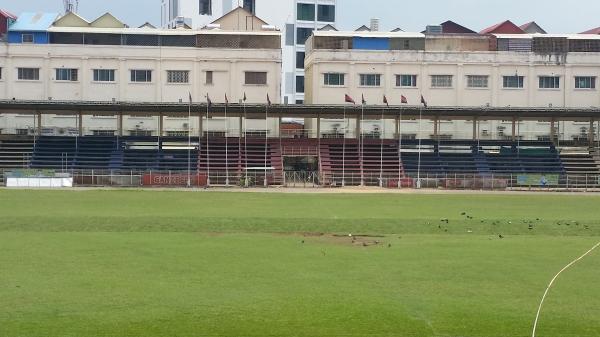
(552, 283)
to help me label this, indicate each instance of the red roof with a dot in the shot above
(506, 27)
(7, 14)
(592, 31)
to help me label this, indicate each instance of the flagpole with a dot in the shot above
(344, 150)
(207, 142)
(362, 144)
(226, 145)
(400, 150)
(245, 141)
(419, 150)
(189, 182)
(266, 140)
(381, 136)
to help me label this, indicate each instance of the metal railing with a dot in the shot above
(307, 179)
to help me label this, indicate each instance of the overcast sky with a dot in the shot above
(556, 16)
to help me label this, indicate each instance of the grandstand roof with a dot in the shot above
(294, 111)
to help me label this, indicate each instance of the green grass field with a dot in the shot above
(154, 263)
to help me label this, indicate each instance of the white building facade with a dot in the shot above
(296, 19)
(147, 65)
(357, 64)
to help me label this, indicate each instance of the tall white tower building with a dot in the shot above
(295, 18)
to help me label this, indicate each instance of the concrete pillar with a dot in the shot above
(80, 124)
(436, 123)
(39, 123)
(475, 134)
(120, 124)
(552, 130)
(397, 128)
(514, 129)
(160, 124)
(279, 122)
(319, 126)
(200, 125)
(591, 133)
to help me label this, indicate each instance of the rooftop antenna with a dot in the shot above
(71, 6)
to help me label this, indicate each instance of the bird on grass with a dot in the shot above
(501, 236)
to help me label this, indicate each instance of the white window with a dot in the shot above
(407, 81)
(28, 74)
(142, 76)
(104, 75)
(255, 78)
(441, 81)
(178, 76)
(333, 79)
(27, 38)
(209, 78)
(585, 82)
(370, 80)
(513, 81)
(63, 74)
(477, 81)
(549, 82)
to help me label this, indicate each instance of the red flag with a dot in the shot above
(245, 98)
(363, 100)
(226, 100)
(349, 99)
(385, 101)
(403, 99)
(423, 101)
(268, 100)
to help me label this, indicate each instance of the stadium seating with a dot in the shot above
(54, 153)
(523, 157)
(219, 156)
(15, 152)
(579, 161)
(338, 159)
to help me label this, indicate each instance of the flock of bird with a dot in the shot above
(444, 222)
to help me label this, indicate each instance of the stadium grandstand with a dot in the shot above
(507, 107)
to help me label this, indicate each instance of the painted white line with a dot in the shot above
(552, 283)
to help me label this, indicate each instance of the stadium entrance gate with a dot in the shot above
(301, 171)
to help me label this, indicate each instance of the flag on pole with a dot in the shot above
(226, 100)
(364, 102)
(268, 100)
(403, 99)
(385, 101)
(208, 101)
(245, 98)
(349, 99)
(423, 101)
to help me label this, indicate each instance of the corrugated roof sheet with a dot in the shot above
(370, 34)
(7, 14)
(592, 31)
(506, 27)
(34, 22)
